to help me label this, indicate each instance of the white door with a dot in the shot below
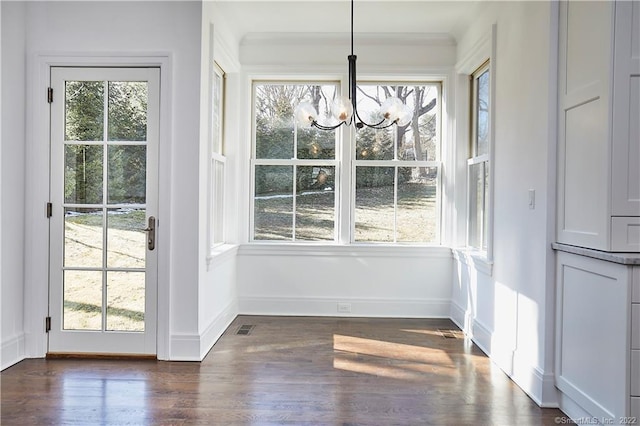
(104, 203)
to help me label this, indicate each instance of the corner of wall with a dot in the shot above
(12, 351)
(216, 328)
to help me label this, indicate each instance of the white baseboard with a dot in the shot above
(572, 409)
(312, 306)
(12, 351)
(534, 382)
(194, 347)
(217, 327)
(482, 336)
(185, 347)
(458, 315)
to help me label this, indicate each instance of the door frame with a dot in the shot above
(38, 172)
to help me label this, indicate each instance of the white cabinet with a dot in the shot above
(599, 115)
(598, 331)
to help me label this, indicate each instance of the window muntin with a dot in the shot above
(395, 173)
(397, 170)
(478, 167)
(294, 169)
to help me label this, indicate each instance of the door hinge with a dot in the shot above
(49, 210)
(50, 95)
(47, 324)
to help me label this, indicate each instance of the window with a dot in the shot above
(397, 169)
(478, 167)
(294, 169)
(389, 179)
(217, 160)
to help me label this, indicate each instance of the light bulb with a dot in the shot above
(305, 114)
(342, 109)
(406, 114)
(391, 108)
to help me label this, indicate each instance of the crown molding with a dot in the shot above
(344, 39)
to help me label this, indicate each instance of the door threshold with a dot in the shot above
(107, 356)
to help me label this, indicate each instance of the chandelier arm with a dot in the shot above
(323, 127)
(377, 125)
(355, 118)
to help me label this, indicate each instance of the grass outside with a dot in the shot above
(83, 298)
(415, 216)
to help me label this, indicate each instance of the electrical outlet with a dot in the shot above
(345, 308)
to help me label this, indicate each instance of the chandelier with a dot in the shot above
(344, 109)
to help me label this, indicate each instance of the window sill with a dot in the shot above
(220, 253)
(351, 250)
(474, 259)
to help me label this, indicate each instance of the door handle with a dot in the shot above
(151, 233)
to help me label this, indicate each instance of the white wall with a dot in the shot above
(313, 279)
(217, 300)
(12, 179)
(375, 282)
(511, 311)
(75, 31)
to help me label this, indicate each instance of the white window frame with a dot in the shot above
(217, 160)
(294, 162)
(396, 164)
(477, 159)
(484, 49)
(345, 164)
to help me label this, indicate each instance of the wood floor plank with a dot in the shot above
(287, 370)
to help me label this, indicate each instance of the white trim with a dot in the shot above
(321, 306)
(222, 53)
(221, 253)
(477, 55)
(474, 259)
(481, 336)
(12, 351)
(37, 185)
(352, 250)
(533, 381)
(477, 160)
(342, 39)
(216, 328)
(184, 347)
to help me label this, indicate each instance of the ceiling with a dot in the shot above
(448, 17)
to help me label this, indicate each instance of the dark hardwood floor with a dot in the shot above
(286, 370)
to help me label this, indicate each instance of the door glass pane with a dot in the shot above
(126, 238)
(374, 204)
(84, 110)
(83, 237)
(82, 300)
(125, 301)
(315, 203)
(83, 174)
(273, 203)
(127, 111)
(416, 212)
(127, 174)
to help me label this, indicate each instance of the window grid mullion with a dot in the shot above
(105, 177)
(395, 204)
(294, 202)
